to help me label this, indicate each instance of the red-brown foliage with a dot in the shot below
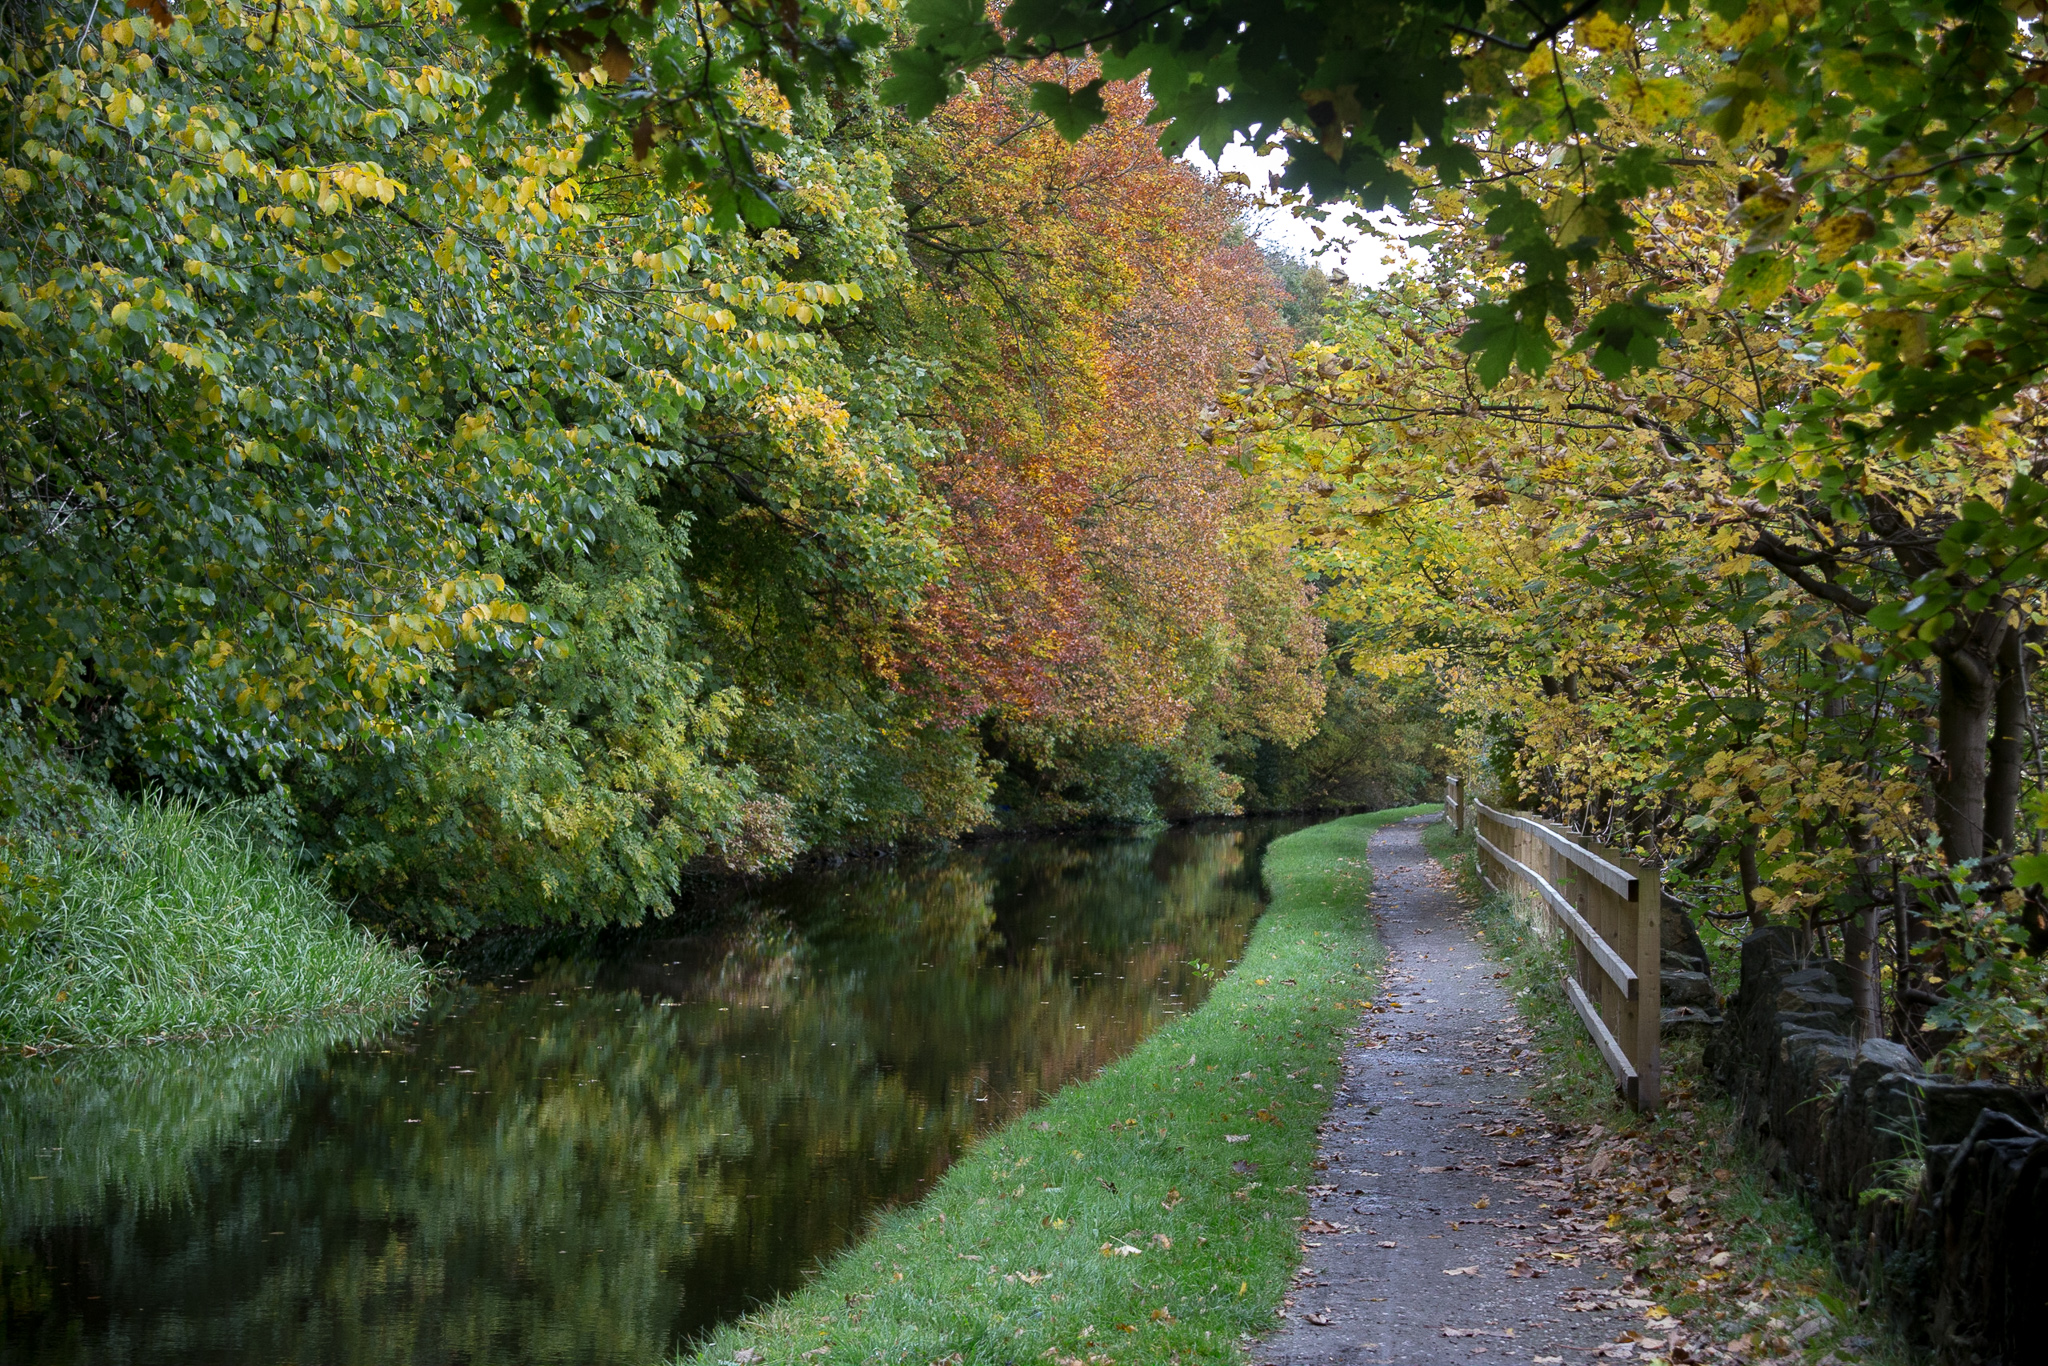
(1094, 296)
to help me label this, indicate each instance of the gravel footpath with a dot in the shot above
(1438, 1234)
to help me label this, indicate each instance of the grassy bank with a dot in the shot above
(1148, 1215)
(1775, 1292)
(155, 919)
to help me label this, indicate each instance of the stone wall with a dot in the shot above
(1934, 1190)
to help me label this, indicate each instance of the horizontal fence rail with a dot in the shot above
(1605, 905)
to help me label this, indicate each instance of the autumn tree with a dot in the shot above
(1112, 584)
(1733, 608)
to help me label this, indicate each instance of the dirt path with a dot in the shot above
(1443, 1232)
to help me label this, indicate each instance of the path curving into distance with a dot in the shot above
(1443, 1230)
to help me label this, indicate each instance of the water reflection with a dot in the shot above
(597, 1158)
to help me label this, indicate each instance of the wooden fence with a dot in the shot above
(1607, 906)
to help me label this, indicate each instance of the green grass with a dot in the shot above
(156, 919)
(1780, 1273)
(1119, 1221)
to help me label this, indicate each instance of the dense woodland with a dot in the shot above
(523, 538)
(537, 452)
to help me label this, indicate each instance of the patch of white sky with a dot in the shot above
(1362, 257)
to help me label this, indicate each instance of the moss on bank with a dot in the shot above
(157, 919)
(1148, 1215)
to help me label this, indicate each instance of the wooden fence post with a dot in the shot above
(1605, 903)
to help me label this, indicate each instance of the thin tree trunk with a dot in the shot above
(1968, 689)
(2008, 749)
(1746, 863)
(1862, 936)
(1861, 942)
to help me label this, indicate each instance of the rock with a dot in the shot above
(1886, 1056)
(1688, 989)
(1688, 1021)
(1982, 1229)
(1935, 1190)
(1950, 1108)
(1679, 939)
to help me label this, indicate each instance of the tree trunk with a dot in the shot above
(1968, 689)
(1860, 943)
(1746, 865)
(1863, 941)
(2008, 748)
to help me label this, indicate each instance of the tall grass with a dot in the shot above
(158, 919)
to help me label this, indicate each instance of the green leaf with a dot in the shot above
(1502, 338)
(1755, 280)
(1623, 337)
(918, 81)
(1073, 112)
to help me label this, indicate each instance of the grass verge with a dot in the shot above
(1685, 1187)
(155, 919)
(1148, 1215)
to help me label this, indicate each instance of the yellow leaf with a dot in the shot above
(1899, 334)
(1602, 33)
(1657, 99)
(1843, 232)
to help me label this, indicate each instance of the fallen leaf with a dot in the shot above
(1322, 1226)
(1237, 1138)
(1479, 1332)
(1319, 1320)
(1120, 1250)
(1389, 1244)
(1461, 1271)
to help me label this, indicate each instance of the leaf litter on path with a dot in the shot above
(1664, 1264)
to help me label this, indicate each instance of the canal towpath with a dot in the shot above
(1437, 1231)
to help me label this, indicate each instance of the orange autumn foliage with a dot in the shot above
(1095, 296)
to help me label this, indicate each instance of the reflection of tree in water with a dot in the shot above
(587, 1164)
(82, 1127)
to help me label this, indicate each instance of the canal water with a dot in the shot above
(592, 1150)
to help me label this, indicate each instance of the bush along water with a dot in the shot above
(155, 918)
(1151, 1213)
